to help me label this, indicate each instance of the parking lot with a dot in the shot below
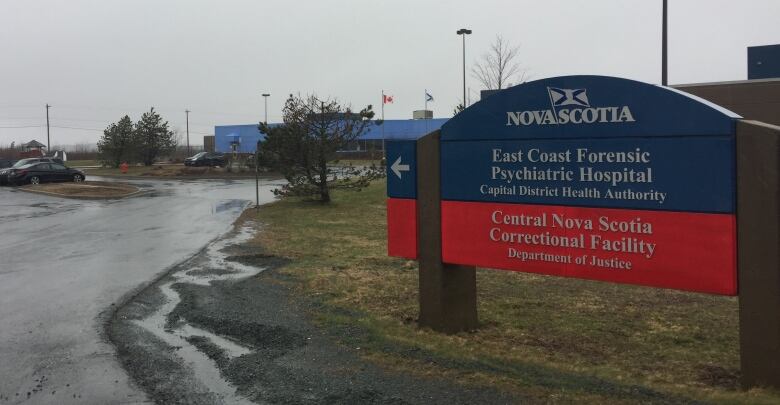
(65, 263)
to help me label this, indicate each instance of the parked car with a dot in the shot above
(6, 163)
(5, 171)
(43, 172)
(206, 159)
(28, 161)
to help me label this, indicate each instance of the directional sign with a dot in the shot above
(399, 167)
(402, 173)
(401, 201)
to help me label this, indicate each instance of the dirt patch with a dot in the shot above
(214, 351)
(288, 358)
(716, 376)
(295, 362)
(84, 190)
(157, 368)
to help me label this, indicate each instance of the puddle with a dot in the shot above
(205, 369)
(229, 205)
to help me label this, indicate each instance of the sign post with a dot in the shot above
(758, 169)
(448, 292)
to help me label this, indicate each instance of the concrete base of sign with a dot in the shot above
(448, 293)
(758, 239)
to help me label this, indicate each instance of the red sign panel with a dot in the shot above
(402, 227)
(680, 250)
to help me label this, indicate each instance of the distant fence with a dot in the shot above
(361, 154)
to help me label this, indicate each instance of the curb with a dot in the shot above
(114, 176)
(136, 193)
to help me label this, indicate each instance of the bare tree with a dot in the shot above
(499, 65)
(457, 110)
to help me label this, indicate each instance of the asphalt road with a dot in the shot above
(65, 263)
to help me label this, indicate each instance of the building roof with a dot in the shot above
(248, 135)
(403, 129)
(33, 144)
(730, 82)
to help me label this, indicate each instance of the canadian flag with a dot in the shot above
(387, 99)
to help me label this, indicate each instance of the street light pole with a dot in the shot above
(257, 156)
(257, 175)
(48, 136)
(664, 75)
(463, 32)
(187, 112)
(265, 98)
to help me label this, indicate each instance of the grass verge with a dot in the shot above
(172, 171)
(76, 163)
(85, 190)
(548, 338)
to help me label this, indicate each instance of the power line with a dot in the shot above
(80, 119)
(86, 129)
(20, 106)
(20, 118)
(81, 128)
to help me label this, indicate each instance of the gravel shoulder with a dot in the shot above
(258, 337)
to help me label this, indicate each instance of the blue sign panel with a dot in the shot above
(402, 169)
(694, 174)
(588, 107)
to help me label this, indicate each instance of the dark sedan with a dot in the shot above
(5, 170)
(205, 159)
(37, 173)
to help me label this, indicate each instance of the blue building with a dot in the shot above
(245, 137)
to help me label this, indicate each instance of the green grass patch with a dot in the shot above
(175, 170)
(76, 163)
(547, 338)
(137, 170)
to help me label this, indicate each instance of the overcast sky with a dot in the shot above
(95, 61)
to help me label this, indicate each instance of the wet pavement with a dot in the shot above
(65, 263)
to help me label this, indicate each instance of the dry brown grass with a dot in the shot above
(87, 189)
(172, 171)
(550, 339)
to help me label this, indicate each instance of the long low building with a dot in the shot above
(757, 99)
(244, 138)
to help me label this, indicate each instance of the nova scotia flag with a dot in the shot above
(564, 97)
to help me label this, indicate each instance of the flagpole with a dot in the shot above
(384, 152)
(425, 112)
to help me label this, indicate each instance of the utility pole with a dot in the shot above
(664, 75)
(187, 112)
(48, 134)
